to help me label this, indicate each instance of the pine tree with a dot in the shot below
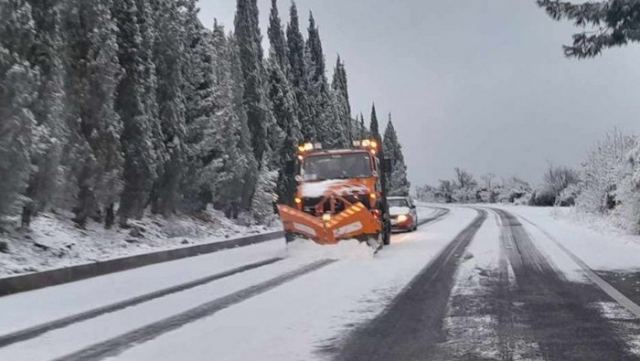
(169, 50)
(249, 41)
(297, 73)
(94, 157)
(139, 132)
(397, 182)
(48, 108)
(17, 85)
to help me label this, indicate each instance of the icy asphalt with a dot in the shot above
(471, 284)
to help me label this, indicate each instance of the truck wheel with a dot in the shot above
(386, 235)
(289, 237)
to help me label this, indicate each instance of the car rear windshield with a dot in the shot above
(337, 166)
(398, 202)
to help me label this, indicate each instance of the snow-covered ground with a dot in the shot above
(308, 317)
(53, 240)
(595, 241)
(287, 323)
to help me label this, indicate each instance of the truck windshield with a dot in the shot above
(337, 166)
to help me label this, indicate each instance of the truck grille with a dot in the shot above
(309, 204)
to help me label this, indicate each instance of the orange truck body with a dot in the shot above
(343, 209)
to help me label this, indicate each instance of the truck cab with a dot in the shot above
(339, 195)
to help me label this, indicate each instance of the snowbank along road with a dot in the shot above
(471, 284)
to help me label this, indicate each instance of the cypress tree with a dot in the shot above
(17, 83)
(284, 109)
(203, 136)
(93, 156)
(397, 182)
(374, 129)
(277, 38)
(322, 102)
(249, 42)
(243, 187)
(141, 160)
(297, 73)
(228, 184)
(341, 91)
(48, 108)
(169, 50)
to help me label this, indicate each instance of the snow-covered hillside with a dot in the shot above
(53, 240)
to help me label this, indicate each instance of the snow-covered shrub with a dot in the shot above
(602, 173)
(543, 197)
(628, 193)
(568, 196)
(514, 190)
(556, 181)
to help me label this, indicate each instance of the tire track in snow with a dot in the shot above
(618, 296)
(119, 344)
(412, 324)
(32, 332)
(557, 311)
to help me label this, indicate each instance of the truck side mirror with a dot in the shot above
(386, 165)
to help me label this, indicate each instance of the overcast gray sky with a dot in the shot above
(479, 84)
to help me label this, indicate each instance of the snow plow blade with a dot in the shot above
(354, 222)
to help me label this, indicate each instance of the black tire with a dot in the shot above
(289, 237)
(386, 235)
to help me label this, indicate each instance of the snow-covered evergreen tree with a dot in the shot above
(283, 106)
(322, 102)
(94, 156)
(249, 42)
(17, 92)
(138, 135)
(169, 52)
(297, 73)
(397, 182)
(265, 194)
(203, 136)
(277, 38)
(341, 91)
(48, 108)
(242, 164)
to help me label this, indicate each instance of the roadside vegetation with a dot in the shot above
(112, 110)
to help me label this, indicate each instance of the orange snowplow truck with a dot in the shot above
(339, 196)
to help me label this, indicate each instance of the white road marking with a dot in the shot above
(623, 300)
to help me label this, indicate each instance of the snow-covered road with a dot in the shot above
(485, 283)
